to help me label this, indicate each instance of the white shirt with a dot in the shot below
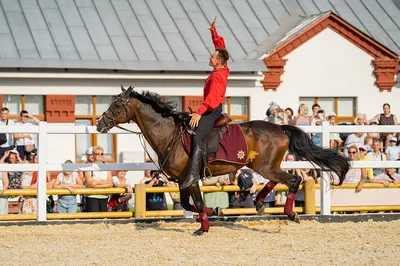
(24, 141)
(354, 140)
(10, 136)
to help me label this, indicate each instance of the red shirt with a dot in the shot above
(215, 84)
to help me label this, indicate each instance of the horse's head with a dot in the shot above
(119, 111)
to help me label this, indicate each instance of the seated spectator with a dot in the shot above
(393, 151)
(356, 139)
(363, 157)
(355, 175)
(25, 142)
(360, 119)
(10, 179)
(315, 115)
(373, 122)
(387, 177)
(245, 180)
(290, 115)
(156, 201)
(306, 175)
(277, 116)
(147, 176)
(4, 121)
(97, 179)
(316, 137)
(119, 202)
(29, 181)
(88, 159)
(368, 140)
(385, 119)
(376, 155)
(216, 200)
(302, 118)
(335, 140)
(175, 197)
(69, 180)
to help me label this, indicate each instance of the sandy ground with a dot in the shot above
(242, 243)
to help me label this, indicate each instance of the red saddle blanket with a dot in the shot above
(232, 148)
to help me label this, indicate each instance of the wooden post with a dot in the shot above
(140, 201)
(309, 197)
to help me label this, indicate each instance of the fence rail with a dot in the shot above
(43, 130)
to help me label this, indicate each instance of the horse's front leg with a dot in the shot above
(200, 208)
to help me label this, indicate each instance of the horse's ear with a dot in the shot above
(130, 89)
(122, 88)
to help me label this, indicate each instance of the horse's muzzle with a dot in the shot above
(101, 125)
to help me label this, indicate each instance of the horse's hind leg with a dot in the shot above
(200, 208)
(293, 183)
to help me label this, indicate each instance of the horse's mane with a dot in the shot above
(160, 106)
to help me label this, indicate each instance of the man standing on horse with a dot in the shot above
(210, 110)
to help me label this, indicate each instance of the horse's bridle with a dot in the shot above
(113, 123)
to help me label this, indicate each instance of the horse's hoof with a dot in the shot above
(260, 207)
(199, 232)
(294, 217)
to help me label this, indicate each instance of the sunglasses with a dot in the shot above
(352, 152)
(99, 153)
(304, 109)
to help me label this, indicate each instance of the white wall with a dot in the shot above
(60, 147)
(328, 65)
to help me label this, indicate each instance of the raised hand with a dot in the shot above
(212, 25)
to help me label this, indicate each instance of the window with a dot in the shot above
(87, 110)
(34, 104)
(344, 107)
(237, 108)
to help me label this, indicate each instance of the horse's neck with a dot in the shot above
(157, 130)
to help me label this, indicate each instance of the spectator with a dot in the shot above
(360, 119)
(10, 179)
(147, 177)
(216, 200)
(25, 142)
(363, 157)
(386, 118)
(355, 175)
(243, 199)
(156, 201)
(89, 159)
(318, 114)
(393, 151)
(356, 139)
(376, 155)
(277, 116)
(306, 175)
(69, 180)
(4, 121)
(374, 122)
(387, 177)
(368, 140)
(316, 137)
(175, 197)
(97, 179)
(302, 118)
(119, 202)
(290, 115)
(335, 140)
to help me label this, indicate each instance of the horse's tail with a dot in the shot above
(326, 159)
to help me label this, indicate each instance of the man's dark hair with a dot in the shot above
(23, 112)
(4, 109)
(223, 55)
(315, 105)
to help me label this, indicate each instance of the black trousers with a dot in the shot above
(96, 205)
(206, 123)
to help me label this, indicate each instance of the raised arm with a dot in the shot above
(217, 40)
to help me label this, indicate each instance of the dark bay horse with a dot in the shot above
(158, 121)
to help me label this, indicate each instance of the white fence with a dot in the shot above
(44, 129)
